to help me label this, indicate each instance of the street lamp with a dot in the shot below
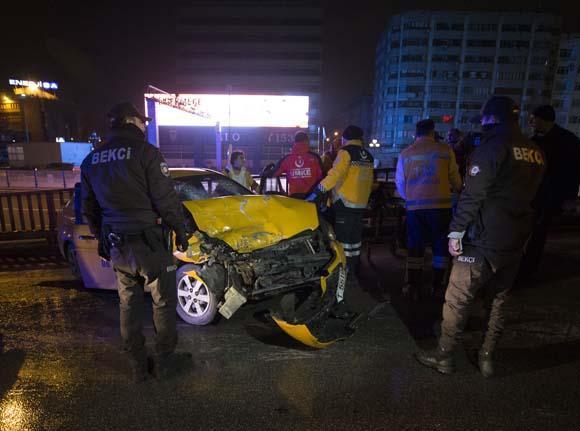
(335, 133)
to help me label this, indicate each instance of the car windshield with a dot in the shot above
(199, 187)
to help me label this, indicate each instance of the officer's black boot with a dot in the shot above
(168, 365)
(438, 359)
(485, 361)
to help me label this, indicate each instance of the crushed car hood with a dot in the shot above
(249, 223)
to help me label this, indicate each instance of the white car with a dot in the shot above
(79, 246)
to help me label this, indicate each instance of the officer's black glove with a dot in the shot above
(182, 242)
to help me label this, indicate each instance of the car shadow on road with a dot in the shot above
(382, 276)
(28, 255)
(553, 268)
(64, 284)
(422, 317)
(106, 294)
(11, 362)
(514, 362)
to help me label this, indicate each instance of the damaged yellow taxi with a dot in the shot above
(244, 248)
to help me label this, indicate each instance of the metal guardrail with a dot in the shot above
(31, 214)
(54, 179)
(275, 185)
(38, 179)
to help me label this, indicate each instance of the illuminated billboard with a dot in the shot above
(33, 84)
(234, 110)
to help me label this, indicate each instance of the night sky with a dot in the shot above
(107, 52)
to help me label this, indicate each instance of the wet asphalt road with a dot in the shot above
(62, 370)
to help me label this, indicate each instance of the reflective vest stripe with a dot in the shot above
(426, 157)
(347, 246)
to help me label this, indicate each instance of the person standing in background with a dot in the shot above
(492, 223)
(237, 171)
(426, 175)
(127, 192)
(560, 185)
(350, 180)
(302, 167)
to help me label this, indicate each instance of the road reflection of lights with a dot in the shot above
(13, 414)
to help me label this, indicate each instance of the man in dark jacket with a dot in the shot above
(562, 150)
(489, 230)
(126, 194)
(302, 167)
(455, 140)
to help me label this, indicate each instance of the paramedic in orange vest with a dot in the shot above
(426, 175)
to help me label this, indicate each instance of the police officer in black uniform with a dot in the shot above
(562, 150)
(128, 199)
(492, 223)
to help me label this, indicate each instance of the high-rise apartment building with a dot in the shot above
(444, 65)
(251, 47)
(566, 92)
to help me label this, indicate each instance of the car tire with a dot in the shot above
(71, 258)
(196, 297)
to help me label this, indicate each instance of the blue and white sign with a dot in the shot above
(45, 85)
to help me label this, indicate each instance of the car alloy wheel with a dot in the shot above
(196, 303)
(193, 296)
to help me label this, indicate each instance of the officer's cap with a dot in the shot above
(545, 112)
(502, 107)
(126, 109)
